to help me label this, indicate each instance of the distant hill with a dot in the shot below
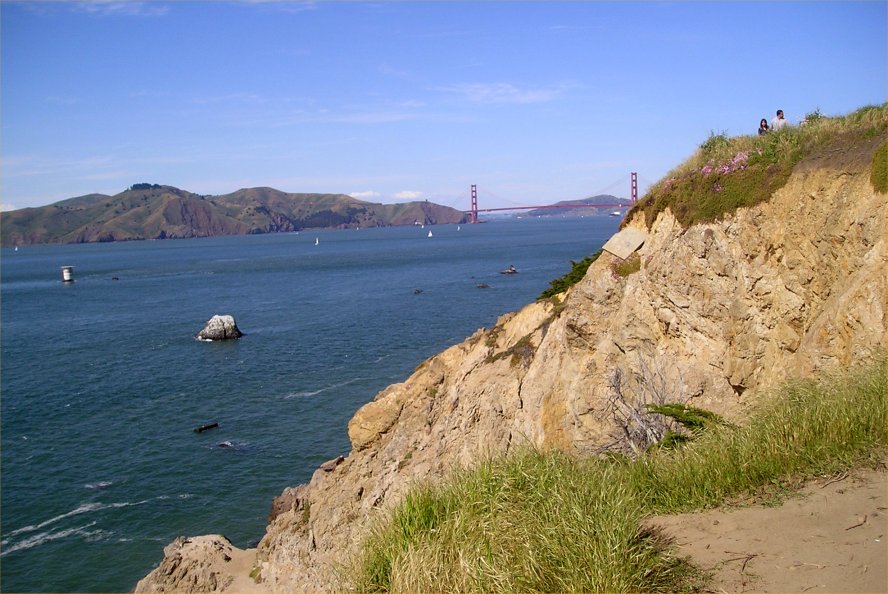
(152, 211)
(564, 209)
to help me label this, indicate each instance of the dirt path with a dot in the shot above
(833, 539)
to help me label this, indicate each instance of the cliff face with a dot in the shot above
(717, 314)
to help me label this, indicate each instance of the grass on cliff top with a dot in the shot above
(547, 522)
(725, 174)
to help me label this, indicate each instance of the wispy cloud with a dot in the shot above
(121, 7)
(595, 166)
(503, 93)
(5, 206)
(96, 167)
(366, 194)
(296, 117)
(389, 70)
(61, 100)
(292, 6)
(244, 97)
(374, 117)
(576, 28)
(29, 165)
(408, 195)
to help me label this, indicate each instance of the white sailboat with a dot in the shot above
(317, 241)
(430, 233)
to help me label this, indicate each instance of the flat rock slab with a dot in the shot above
(623, 243)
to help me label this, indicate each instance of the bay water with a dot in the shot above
(102, 381)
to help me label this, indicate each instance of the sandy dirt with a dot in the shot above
(830, 539)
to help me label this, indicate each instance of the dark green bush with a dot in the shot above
(576, 274)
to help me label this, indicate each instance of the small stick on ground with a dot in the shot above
(746, 559)
(835, 479)
(860, 523)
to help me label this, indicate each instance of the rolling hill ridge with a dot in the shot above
(153, 211)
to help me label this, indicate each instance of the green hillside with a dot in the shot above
(584, 206)
(151, 211)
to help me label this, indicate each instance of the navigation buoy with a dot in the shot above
(67, 274)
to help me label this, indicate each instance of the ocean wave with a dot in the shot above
(310, 393)
(98, 485)
(81, 509)
(44, 537)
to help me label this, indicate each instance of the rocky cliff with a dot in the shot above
(714, 315)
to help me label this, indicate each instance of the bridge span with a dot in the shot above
(473, 212)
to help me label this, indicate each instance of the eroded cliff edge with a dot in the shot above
(719, 311)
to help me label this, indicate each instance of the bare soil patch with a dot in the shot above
(832, 538)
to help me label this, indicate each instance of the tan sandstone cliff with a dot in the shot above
(719, 311)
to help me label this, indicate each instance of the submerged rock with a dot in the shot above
(220, 328)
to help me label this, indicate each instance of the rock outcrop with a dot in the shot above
(202, 564)
(220, 328)
(716, 314)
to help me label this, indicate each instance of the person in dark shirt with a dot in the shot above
(763, 127)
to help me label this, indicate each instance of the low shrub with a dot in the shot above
(575, 275)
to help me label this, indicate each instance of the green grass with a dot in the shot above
(538, 521)
(727, 173)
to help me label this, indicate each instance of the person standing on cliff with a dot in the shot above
(778, 121)
(763, 127)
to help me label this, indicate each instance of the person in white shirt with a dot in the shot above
(778, 121)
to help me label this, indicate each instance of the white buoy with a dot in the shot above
(67, 274)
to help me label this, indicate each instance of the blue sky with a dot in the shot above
(534, 102)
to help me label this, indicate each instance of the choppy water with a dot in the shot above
(103, 382)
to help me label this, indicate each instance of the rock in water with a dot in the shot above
(220, 328)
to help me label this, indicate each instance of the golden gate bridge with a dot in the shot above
(473, 212)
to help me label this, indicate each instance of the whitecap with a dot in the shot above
(44, 537)
(309, 393)
(98, 485)
(81, 509)
(86, 507)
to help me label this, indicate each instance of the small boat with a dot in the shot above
(207, 427)
(317, 241)
(510, 270)
(616, 213)
(430, 233)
